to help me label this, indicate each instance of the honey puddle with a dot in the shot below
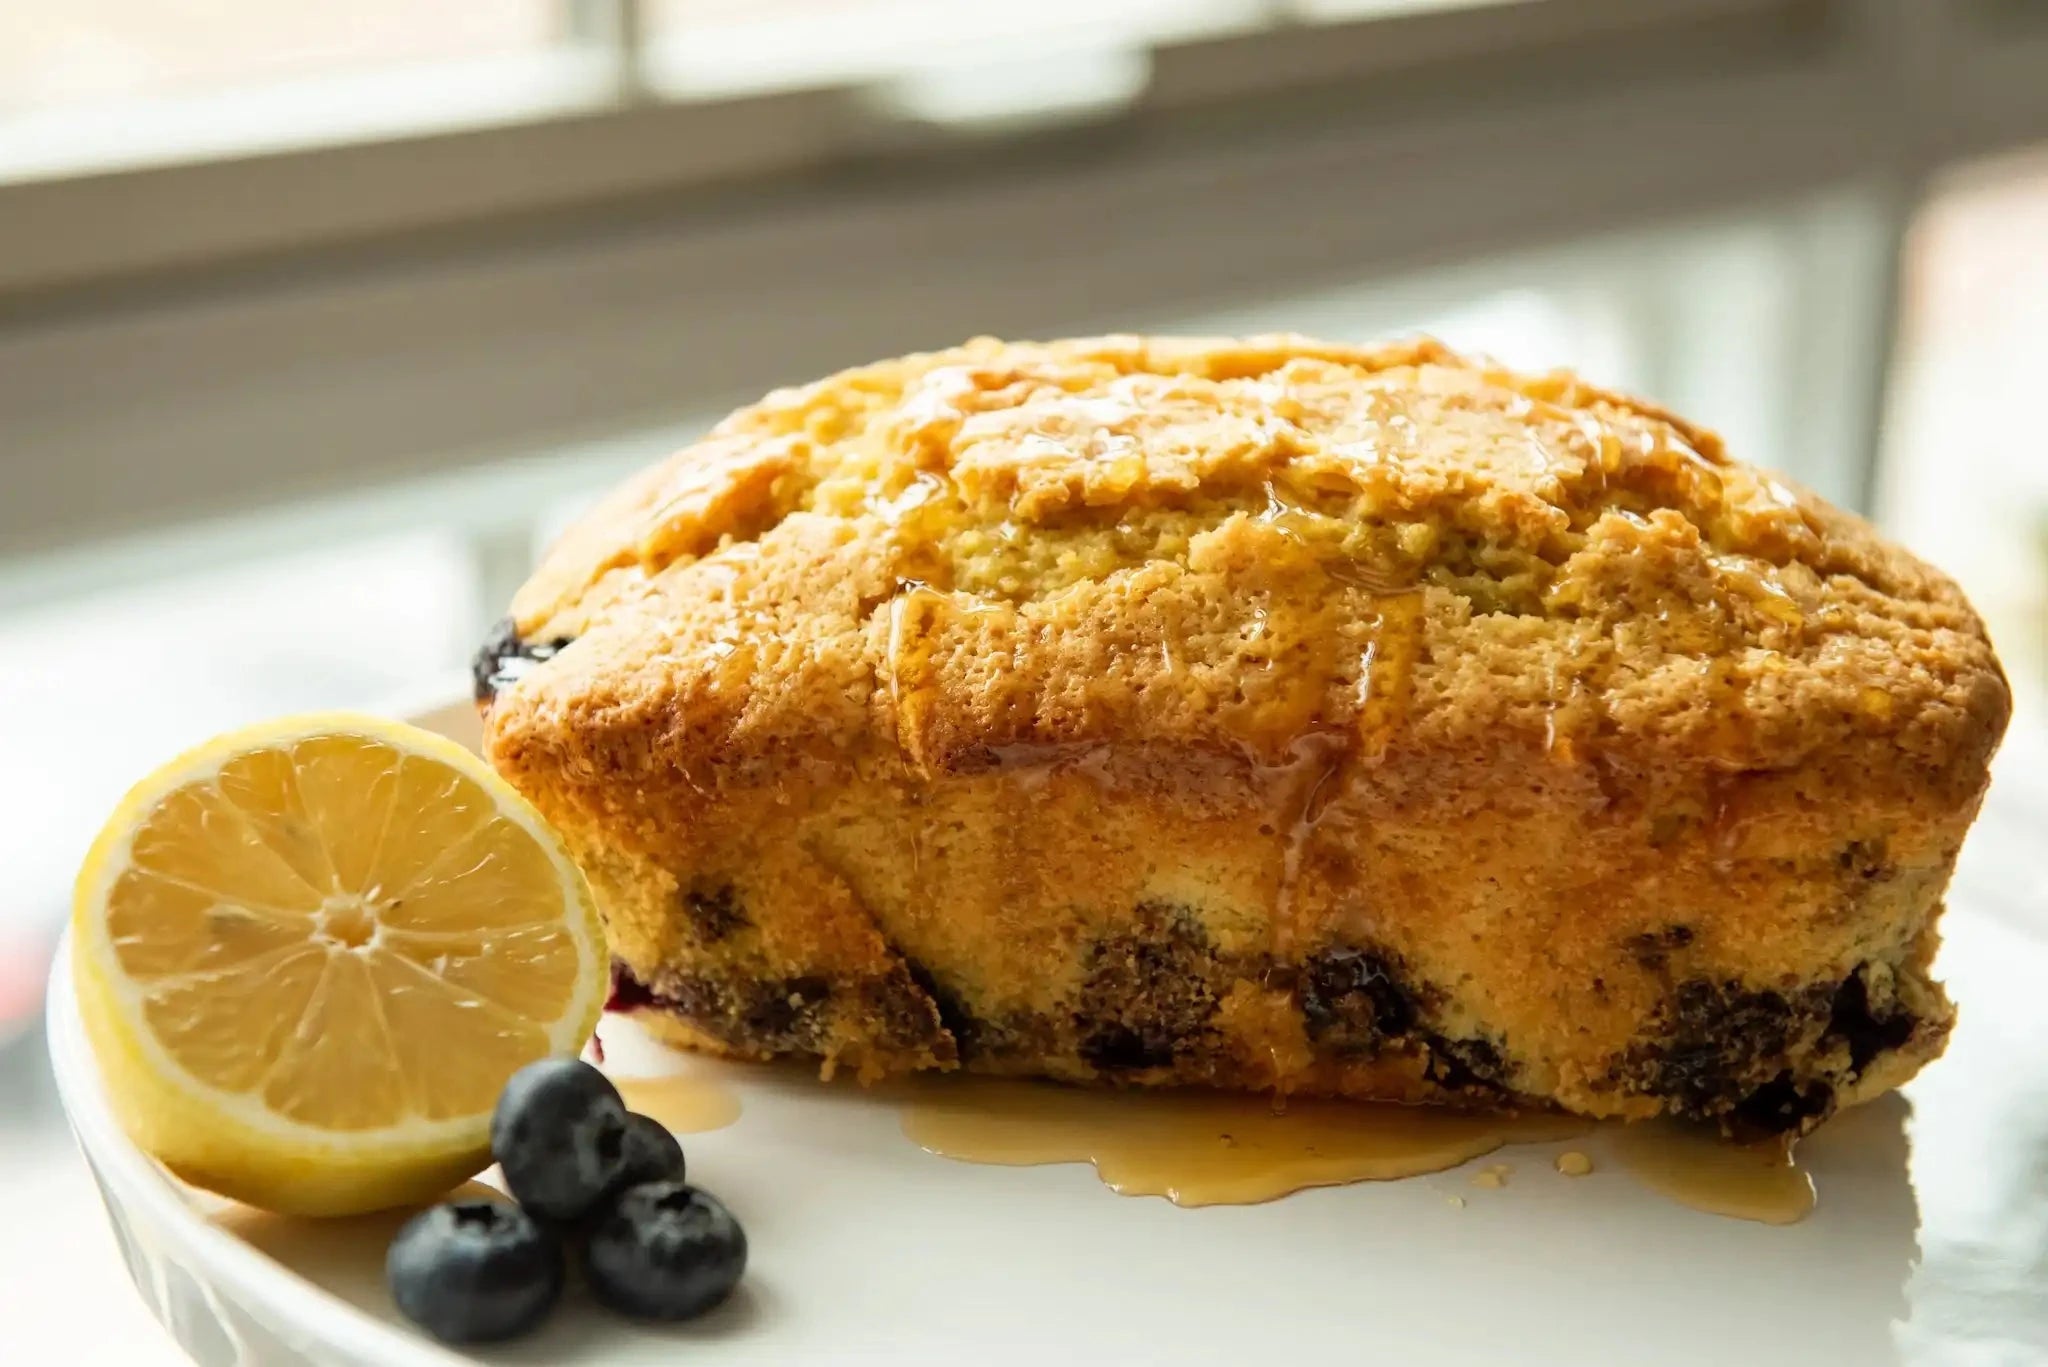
(1698, 1169)
(686, 1103)
(1206, 1149)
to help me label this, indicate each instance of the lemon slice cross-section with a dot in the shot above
(309, 953)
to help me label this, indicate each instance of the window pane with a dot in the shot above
(706, 46)
(720, 46)
(114, 49)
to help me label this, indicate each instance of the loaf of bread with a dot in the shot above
(1258, 714)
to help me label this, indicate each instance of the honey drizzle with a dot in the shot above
(1305, 787)
(1696, 1168)
(685, 1102)
(1200, 1148)
(913, 614)
(1386, 675)
(1206, 1148)
(1302, 759)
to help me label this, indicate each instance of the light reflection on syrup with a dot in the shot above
(685, 1102)
(1206, 1148)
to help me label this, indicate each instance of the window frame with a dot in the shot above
(580, 128)
(638, 265)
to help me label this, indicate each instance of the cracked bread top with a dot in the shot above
(949, 558)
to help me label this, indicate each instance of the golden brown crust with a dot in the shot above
(1266, 713)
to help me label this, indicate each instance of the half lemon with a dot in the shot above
(308, 955)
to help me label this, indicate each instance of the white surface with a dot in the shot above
(867, 1249)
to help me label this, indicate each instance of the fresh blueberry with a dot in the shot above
(652, 1153)
(559, 1133)
(665, 1251)
(474, 1271)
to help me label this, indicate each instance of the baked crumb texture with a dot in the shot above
(1263, 714)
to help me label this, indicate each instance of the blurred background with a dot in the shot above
(315, 319)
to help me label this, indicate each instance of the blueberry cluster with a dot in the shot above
(586, 1174)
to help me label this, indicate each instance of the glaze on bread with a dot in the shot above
(1261, 714)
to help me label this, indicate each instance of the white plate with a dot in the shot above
(1930, 1244)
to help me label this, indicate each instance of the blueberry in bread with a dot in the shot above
(1259, 714)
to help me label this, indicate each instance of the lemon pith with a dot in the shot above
(308, 954)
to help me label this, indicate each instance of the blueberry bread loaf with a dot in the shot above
(1263, 714)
